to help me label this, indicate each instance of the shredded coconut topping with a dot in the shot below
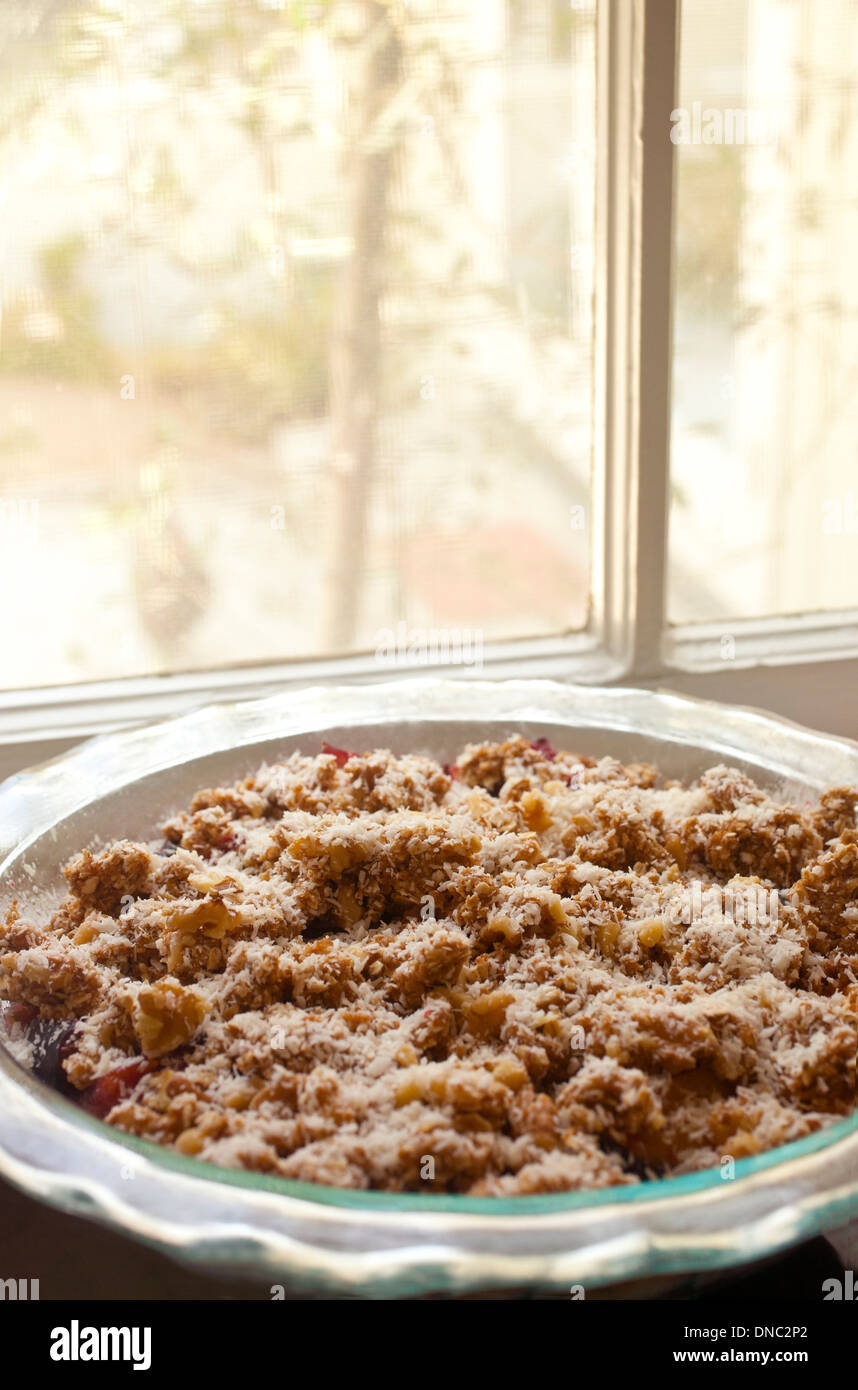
(528, 972)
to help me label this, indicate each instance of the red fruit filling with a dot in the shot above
(342, 755)
(100, 1098)
(544, 747)
(19, 1016)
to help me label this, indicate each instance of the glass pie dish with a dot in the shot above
(312, 1237)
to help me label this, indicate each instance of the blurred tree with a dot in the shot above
(368, 159)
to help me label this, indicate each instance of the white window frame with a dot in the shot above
(801, 666)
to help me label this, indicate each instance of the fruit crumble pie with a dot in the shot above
(526, 972)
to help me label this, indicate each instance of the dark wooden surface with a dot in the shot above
(76, 1259)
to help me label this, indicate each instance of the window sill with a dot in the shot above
(784, 668)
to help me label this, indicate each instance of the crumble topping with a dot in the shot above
(528, 972)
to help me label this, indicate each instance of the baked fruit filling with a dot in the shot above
(526, 972)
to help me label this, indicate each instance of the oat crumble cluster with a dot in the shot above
(523, 973)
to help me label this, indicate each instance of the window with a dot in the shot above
(342, 339)
(296, 352)
(764, 506)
